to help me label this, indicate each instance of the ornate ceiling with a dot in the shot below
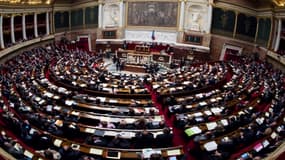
(255, 3)
(25, 2)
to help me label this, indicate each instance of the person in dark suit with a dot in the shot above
(67, 153)
(165, 139)
(119, 142)
(143, 139)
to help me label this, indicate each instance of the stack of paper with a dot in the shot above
(210, 146)
(211, 125)
(192, 131)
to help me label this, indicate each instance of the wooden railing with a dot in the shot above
(276, 56)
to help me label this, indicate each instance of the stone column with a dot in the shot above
(12, 29)
(36, 25)
(181, 18)
(100, 25)
(1, 32)
(83, 18)
(256, 31)
(277, 43)
(210, 14)
(235, 27)
(69, 20)
(47, 24)
(24, 27)
(53, 23)
(121, 23)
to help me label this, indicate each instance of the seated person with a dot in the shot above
(50, 154)
(165, 139)
(67, 153)
(105, 124)
(119, 142)
(14, 149)
(143, 139)
(220, 154)
(98, 141)
(124, 125)
(141, 123)
(156, 156)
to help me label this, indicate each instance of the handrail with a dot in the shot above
(277, 153)
(276, 56)
(6, 155)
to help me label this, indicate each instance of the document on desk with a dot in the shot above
(96, 151)
(49, 108)
(258, 147)
(113, 101)
(273, 135)
(37, 99)
(129, 120)
(179, 88)
(158, 118)
(172, 89)
(127, 135)
(75, 146)
(107, 89)
(32, 131)
(186, 82)
(42, 102)
(48, 94)
(219, 98)
(147, 152)
(198, 114)
(203, 103)
(56, 97)
(208, 113)
(216, 110)
(192, 131)
(69, 102)
(173, 152)
(210, 146)
(28, 154)
(111, 133)
(58, 108)
(211, 125)
(90, 130)
(155, 86)
(240, 112)
(265, 143)
(75, 113)
(157, 133)
(102, 99)
(199, 95)
(58, 123)
(57, 142)
(189, 106)
(104, 119)
(115, 120)
(224, 122)
(99, 132)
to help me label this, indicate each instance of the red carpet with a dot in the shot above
(178, 134)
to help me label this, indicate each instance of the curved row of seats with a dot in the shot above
(228, 132)
(49, 92)
(70, 69)
(31, 91)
